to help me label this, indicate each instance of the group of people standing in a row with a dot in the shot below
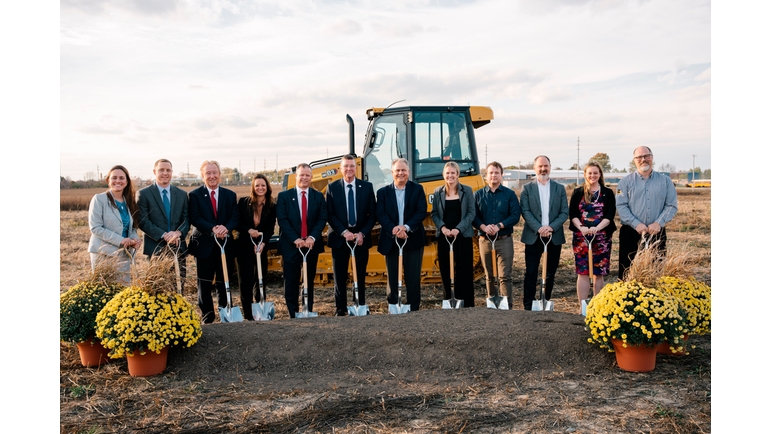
(645, 200)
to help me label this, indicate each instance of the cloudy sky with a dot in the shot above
(261, 84)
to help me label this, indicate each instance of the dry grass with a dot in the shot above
(651, 264)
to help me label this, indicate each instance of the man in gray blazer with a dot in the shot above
(544, 208)
(163, 215)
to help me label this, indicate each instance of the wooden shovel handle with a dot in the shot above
(225, 269)
(495, 263)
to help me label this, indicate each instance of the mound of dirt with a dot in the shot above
(430, 346)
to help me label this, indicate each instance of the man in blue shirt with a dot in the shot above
(497, 211)
(646, 201)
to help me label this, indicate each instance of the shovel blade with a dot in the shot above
(452, 304)
(264, 312)
(231, 315)
(398, 308)
(306, 314)
(498, 302)
(584, 305)
(361, 310)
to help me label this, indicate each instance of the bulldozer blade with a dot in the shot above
(498, 302)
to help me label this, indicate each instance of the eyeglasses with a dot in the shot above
(643, 157)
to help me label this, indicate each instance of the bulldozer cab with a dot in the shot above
(428, 137)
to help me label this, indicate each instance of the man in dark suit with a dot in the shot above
(401, 208)
(302, 215)
(544, 206)
(351, 215)
(163, 215)
(213, 212)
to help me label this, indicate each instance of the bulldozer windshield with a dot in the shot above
(439, 138)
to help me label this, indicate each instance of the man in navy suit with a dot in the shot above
(163, 215)
(544, 206)
(351, 215)
(213, 212)
(401, 208)
(302, 215)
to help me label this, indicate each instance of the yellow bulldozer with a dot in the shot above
(428, 137)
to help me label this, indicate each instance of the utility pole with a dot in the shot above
(485, 154)
(578, 162)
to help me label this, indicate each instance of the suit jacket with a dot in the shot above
(467, 206)
(607, 198)
(290, 220)
(106, 226)
(152, 217)
(246, 221)
(201, 214)
(415, 210)
(530, 201)
(337, 212)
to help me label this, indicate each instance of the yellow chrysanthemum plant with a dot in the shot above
(658, 301)
(149, 315)
(636, 315)
(80, 304)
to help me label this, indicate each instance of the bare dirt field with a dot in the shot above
(471, 370)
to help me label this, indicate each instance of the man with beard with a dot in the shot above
(646, 201)
(544, 206)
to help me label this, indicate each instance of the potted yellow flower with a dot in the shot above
(144, 320)
(78, 308)
(630, 316)
(696, 298)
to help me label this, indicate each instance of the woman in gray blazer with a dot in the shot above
(111, 220)
(453, 213)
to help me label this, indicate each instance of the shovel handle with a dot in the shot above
(495, 263)
(452, 266)
(225, 270)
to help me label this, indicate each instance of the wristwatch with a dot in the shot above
(500, 225)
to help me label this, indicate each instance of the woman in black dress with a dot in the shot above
(256, 217)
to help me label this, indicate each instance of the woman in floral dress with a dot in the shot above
(592, 211)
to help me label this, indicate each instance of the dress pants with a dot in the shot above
(412, 262)
(341, 257)
(533, 254)
(504, 252)
(208, 268)
(249, 279)
(293, 270)
(463, 250)
(628, 242)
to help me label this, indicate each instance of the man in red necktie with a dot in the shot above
(302, 215)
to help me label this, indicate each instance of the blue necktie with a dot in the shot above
(167, 207)
(351, 207)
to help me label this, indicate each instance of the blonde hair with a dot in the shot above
(455, 166)
(207, 162)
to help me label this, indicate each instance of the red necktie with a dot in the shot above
(304, 229)
(214, 204)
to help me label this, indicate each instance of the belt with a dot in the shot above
(500, 237)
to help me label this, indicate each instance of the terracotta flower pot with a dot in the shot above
(634, 358)
(93, 353)
(665, 348)
(148, 364)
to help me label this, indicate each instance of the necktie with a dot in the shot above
(304, 229)
(167, 208)
(214, 204)
(351, 207)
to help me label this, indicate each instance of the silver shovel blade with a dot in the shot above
(306, 314)
(498, 302)
(231, 315)
(452, 304)
(361, 310)
(584, 305)
(263, 312)
(398, 308)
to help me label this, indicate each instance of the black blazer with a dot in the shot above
(415, 210)
(152, 218)
(202, 244)
(606, 197)
(289, 220)
(337, 212)
(246, 221)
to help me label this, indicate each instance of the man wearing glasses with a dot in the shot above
(646, 201)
